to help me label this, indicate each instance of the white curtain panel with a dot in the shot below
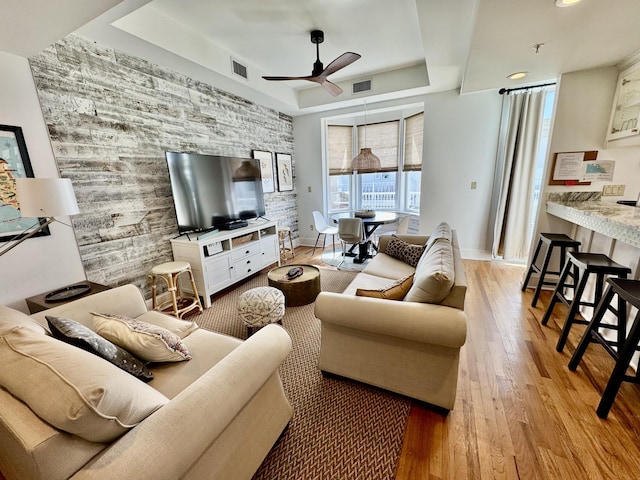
(520, 136)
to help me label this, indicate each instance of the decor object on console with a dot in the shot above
(179, 304)
(411, 347)
(260, 306)
(43, 197)
(194, 397)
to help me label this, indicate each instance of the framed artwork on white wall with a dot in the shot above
(285, 172)
(266, 170)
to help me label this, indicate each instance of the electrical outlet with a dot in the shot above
(613, 190)
(474, 185)
(309, 189)
(311, 227)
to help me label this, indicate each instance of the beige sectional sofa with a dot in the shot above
(410, 346)
(216, 415)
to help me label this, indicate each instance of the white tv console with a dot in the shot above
(221, 259)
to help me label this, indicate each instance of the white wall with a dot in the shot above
(460, 142)
(43, 263)
(461, 138)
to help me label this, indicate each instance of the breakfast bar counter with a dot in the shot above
(620, 222)
(602, 226)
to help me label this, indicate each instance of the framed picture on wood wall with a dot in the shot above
(285, 172)
(266, 170)
(14, 163)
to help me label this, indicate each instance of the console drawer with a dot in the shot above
(245, 250)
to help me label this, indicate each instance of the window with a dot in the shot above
(393, 186)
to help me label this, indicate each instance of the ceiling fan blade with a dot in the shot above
(342, 61)
(287, 78)
(332, 88)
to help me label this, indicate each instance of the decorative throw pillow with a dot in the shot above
(78, 335)
(395, 247)
(180, 327)
(71, 389)
(148, 342)
(394, 291)
(409, 253)
(412, 254)
(435, 274)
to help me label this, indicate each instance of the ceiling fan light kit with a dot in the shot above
(517, 75)
(566, 3)
(319, 74)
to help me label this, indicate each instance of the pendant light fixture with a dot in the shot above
(365, 161)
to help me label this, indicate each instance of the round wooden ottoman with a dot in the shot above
(260, 306)
(299, 291)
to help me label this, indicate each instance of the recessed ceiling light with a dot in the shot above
(566, 3)
(517, 75)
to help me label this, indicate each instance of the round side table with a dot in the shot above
(301, 290)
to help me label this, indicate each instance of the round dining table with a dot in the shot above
(370, 223)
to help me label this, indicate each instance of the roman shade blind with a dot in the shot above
(339, 149)
(382, 139)
(414, 126)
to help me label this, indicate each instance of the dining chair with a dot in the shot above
(323, 228)
(349, 231)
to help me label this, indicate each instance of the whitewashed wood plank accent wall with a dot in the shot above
(111, 117)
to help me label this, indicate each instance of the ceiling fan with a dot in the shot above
(319, 74)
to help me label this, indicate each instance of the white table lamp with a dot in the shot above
(43, 197)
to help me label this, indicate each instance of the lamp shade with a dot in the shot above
(46, 197)
(366, 162)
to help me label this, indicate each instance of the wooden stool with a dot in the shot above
(628, 292)
(586, 263)
(283, 232)
(179, 304)
(551, 240)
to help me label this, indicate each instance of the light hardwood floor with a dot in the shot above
(520, 413)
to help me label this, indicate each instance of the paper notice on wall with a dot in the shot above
(569, 166)
(598, 170)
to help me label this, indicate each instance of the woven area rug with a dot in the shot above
(340, 429)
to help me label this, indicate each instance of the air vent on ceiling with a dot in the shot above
(363, 86)
(239, 69)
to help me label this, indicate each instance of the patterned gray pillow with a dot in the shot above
(78, 335)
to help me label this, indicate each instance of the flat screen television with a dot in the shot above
(211, 191)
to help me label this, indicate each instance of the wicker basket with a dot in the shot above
(241, 240)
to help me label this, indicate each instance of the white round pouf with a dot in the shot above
(261, 306)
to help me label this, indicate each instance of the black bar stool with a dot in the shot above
(586, 264)
(551, 240)
(628, 292)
